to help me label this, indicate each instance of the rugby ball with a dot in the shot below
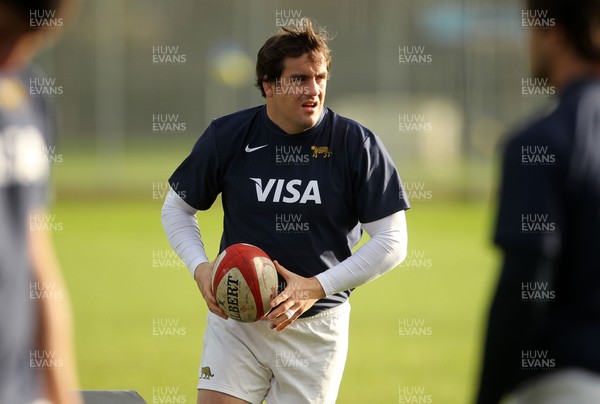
(244, 280)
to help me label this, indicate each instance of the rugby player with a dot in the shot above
(544, 323)
(300, 182)
(33, 326)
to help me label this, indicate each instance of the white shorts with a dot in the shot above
(559, 387)
(302, 364)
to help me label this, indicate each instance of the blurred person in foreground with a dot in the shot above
(543, 337)
(36, 359)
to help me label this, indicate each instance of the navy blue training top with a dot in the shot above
(548, 226)
(550, 194)
(301, 198)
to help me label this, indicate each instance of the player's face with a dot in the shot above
(295, 100)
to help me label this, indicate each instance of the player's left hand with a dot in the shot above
(298, 296)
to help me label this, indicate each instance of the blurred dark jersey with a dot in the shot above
(25, 132)
(301, 198)
(548, 299)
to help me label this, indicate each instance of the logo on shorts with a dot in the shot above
(324, 150)
(205, 373)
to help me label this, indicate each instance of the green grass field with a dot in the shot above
(124, 281)
(128, 289)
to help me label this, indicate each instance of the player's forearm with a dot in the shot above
(55, 337)
(55, 323)
(181, 227)
(383, 252)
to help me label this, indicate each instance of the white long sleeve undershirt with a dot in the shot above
(181, 226)
(384, 251)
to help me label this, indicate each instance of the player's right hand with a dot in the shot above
(203, 275)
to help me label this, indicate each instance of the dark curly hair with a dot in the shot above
(290, 42)
(580, 20)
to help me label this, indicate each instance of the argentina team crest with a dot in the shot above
(323, 151)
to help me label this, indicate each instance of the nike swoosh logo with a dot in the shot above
(253, 149)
